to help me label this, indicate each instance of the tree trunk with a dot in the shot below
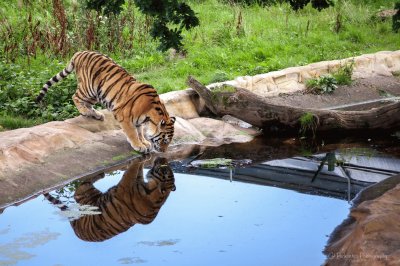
(257, 111)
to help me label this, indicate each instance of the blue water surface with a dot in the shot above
(206, 221)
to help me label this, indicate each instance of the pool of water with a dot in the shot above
(268, 211)
(205, 221)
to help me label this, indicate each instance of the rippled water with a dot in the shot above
(205, 221)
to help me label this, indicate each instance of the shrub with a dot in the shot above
(344, 73)
(321, 85)
(308, 122)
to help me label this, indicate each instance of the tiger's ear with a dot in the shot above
(173, 119)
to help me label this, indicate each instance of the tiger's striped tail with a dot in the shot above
(60, 76)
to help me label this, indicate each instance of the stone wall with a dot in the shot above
(290, 80)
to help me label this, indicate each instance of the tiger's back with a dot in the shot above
(133, 104)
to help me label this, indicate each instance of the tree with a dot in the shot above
(317, 4)
(170, 18)
(166, 13)
(105, 7)
(396, 18)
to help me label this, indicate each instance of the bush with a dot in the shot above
(321, 85)
(344, 73)
(19, 88)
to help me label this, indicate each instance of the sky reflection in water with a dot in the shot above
(206, 221)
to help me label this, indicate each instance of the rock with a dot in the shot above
(94, 125)
(219, 132)
(186, 133)
(235, 121)
(30, 145)
(186, 103)
(371, 233)
(293, 79)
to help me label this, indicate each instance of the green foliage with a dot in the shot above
(328, 83)
(219, 76)
(308, 123)
(344, 73)
(321, 85)
(19, 87)
(396, 18)
(105, 7)
(166, 13)
(13, 122)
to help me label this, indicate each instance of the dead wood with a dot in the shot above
(257, 111)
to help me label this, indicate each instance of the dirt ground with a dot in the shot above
(378, 87)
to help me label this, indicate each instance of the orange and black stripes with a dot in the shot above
(133, 200)
(101, 80)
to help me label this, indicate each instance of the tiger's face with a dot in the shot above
(161, 135)
(160, 176)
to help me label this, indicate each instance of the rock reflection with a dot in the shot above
(133, 200)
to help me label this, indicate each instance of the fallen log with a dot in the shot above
(257, 111)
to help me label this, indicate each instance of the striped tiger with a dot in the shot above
(133, 200)
(133, 104)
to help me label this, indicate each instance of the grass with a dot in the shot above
(8, 122)
(307, 123)
(344, 73)
(266, 39)
(269, 42)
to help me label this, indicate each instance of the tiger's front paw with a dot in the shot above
(141, 148)
(147, 144)
(97, 115)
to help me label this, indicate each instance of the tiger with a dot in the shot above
(133, 200)
(133, 104)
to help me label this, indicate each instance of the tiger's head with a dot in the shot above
(160, 134)
(162, 176)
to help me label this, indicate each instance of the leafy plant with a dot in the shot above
(308, 122)
(321, 85)
(219, 76)
(344, 73)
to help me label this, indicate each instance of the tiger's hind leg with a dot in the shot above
(85, 107)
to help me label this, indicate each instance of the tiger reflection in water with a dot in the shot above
(133, 200)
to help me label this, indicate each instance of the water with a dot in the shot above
(206, 221)
(266, 213)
